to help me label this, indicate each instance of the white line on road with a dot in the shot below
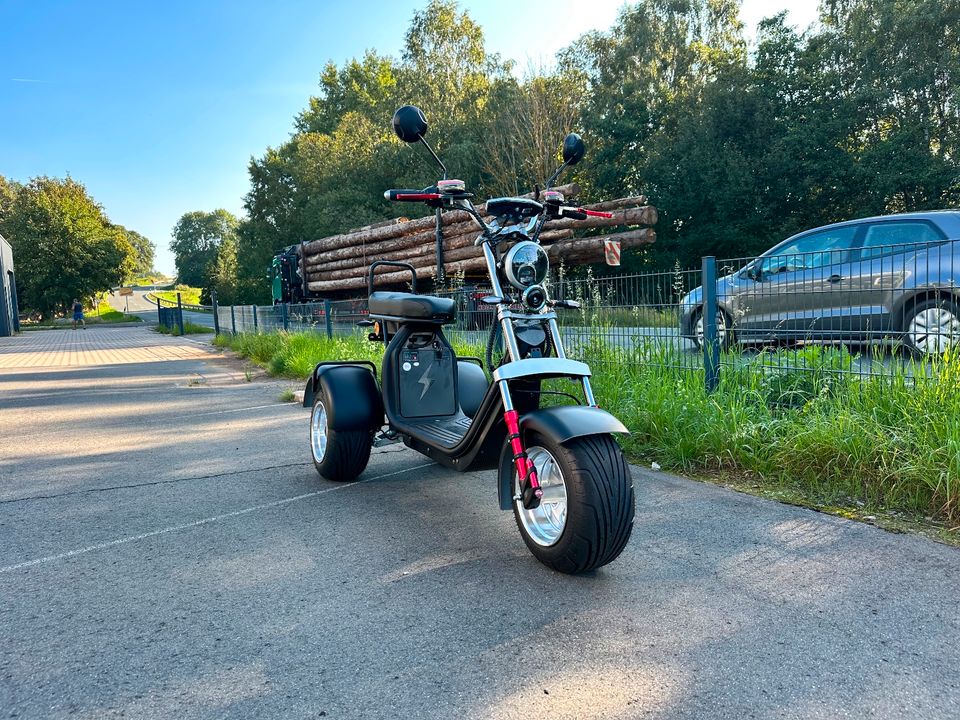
(197, 523)
(236, 410)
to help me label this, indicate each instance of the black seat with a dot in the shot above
(408, 306)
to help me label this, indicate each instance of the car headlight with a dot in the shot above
(526, 264)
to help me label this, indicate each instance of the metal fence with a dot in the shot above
(883, 309)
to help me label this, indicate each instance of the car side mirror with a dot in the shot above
(755, 272)
(573, 149)
(410, 124)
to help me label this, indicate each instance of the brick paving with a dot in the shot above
(97, 345)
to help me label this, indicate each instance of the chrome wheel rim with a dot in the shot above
(545, 523)
(934, 331)
(318, 432)
(721, 328)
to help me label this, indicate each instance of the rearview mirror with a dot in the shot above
(573, 149)
(410, 124)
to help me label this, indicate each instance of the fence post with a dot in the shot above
(216, 312)
(254, 318)
(233, 320)
(326, 315)
(711, 344)
(180, 315)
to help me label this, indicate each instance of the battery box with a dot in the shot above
(427, 383)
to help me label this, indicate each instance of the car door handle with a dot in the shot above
(834, 279)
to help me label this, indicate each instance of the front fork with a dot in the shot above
(530, 491)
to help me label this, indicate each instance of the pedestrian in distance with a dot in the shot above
(78, 315)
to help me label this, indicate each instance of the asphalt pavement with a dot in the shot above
(167, 550)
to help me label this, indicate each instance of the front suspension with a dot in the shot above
(530, 491)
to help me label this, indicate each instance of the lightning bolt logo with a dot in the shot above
(426, 381)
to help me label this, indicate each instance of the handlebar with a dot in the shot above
(579, 213)
(410, 195)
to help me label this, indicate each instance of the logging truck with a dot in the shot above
(444, 243)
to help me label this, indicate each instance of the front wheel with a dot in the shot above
(724, 330)
(338, 455)
(585, 516)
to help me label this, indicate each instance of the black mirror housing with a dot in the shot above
(573, 149)
(410, 124)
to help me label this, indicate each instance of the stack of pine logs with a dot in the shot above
(341, 262)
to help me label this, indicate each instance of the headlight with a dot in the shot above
(526, 264)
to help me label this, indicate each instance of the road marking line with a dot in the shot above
(235, 410)
(198, 523)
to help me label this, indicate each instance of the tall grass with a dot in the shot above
(832, 437)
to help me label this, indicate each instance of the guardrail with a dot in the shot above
(151, 297)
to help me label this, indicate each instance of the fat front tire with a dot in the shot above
(586, 514)
(338, 455)
(931, 328)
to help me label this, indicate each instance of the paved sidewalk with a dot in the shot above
(97, 345)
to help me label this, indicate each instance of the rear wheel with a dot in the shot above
(585, 516)
(931, 328)
(338, 455)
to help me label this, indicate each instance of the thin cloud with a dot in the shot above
(28, 80)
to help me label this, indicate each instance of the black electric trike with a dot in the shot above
(559, 467)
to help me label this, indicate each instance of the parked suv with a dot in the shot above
(892, 277)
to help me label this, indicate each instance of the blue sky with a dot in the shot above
(158, 107)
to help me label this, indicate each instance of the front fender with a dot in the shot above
(560, 424)
(570, 421)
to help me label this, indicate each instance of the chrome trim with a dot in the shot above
(555, 333)
(588, 392)
(492, 268)
(545, 523)
(529, 316)
(509, 336)
(505, 396)
(541, 366)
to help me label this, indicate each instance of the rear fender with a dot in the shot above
(354, 396)
(560, 424)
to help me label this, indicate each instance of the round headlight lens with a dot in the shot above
(526, 264)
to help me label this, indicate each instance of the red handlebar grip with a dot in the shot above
(410, 195)
(573, 213)
(597, 213)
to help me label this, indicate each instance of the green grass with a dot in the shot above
(189, 328)
(813, 436)
(188, 295)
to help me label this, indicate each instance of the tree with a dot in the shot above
(64, 244)
(221, 276)
(8, 193)
(144, 250)
(197, 237)
(331, 174)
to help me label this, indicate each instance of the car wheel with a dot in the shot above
(724, 330)
(931, 328)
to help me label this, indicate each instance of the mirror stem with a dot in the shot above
(439, 161)
(556, 175)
